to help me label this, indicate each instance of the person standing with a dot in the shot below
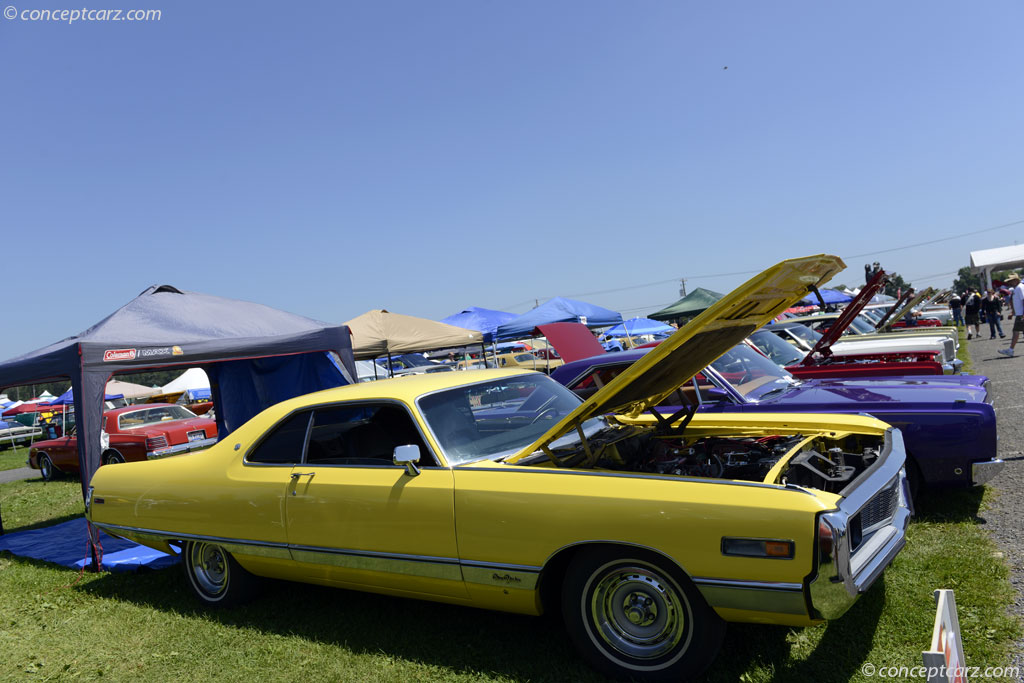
(1016, 310)
(956, 307)
(992, 307)
(972, 313)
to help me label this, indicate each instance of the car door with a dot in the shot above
(355, 518)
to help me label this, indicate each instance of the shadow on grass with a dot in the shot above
(838, 656)
(462, 639)
(958, 505)
(472, 641)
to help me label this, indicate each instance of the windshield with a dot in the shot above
(498, 418)
(155, 415)
(751, 374)
(862, 326)
(874, 314)
(781, 352)
(804, 334)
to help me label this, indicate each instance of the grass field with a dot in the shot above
(57, 625)
(13, 458)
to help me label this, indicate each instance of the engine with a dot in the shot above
(826, 464)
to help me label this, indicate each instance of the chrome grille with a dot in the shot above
(881, 507)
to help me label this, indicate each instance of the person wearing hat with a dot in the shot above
(1016, 310)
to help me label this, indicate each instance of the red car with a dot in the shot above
(142, 432)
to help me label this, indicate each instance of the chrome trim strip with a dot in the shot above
(180, 448)
(498, 565)
(247, 547)
(430, 568)
(752, 585)
(372, 554)
(520, 577)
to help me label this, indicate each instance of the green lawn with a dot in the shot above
(147, 627)
(13, 458)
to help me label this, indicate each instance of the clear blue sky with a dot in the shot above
(423, 157)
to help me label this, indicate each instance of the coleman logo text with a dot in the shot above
(118, 354)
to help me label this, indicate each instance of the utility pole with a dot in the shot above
(682, 287)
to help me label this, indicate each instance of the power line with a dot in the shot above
(754, 272)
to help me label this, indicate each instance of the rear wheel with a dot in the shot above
(632, 615)
(46, 467)
(216, 577)
(113, 458)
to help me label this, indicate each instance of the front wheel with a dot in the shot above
(46, 467)
(216, 577)
(634, 616)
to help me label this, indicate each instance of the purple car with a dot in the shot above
(948, 423)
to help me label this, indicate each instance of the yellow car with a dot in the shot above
(525, 360)
(501, 489)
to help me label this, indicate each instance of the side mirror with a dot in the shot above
(408, 456)
(715, 395)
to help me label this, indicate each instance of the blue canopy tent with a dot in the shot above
(481, 319)
(634, 327)
(557, 310)
(68, 397)
(829, 296)
(255, 356)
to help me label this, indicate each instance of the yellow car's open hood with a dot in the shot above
(652, 378)
(907, 307)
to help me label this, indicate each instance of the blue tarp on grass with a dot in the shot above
(65, 544)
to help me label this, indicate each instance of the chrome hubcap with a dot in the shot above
(638, 612)
(209, 567)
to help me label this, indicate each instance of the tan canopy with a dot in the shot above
(130, 390)
(379, 333)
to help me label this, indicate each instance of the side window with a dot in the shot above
(364, 434)
(284, 444)
(589, 385)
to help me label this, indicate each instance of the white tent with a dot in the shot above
(129, 390)
(191, 379)
(1001, 258)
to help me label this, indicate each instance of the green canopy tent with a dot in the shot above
(693, 304)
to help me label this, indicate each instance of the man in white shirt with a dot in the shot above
(1016, 310)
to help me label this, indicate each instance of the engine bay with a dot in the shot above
(820, 462)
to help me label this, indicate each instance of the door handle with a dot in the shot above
(296, 475)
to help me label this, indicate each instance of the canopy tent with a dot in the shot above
(557, 310)
(130, 390)
(256, 356)
(986, 261)
(829, 296)
(68, 397)
(634, 327)
(381, 333)
(693, 304)
(483, 320)
(191, 379)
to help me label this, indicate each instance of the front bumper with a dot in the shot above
(180, 448)
(865, 536)
(982, 472)
(952, 367)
